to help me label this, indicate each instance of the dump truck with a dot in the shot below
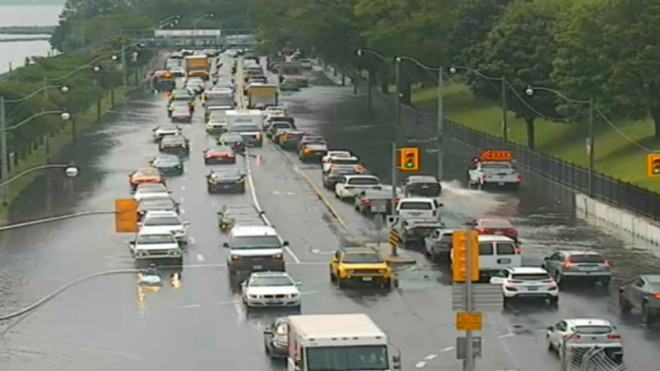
(261, 96)
(197, 66)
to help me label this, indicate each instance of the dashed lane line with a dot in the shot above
(200, 257)
(430, 357)
(420, 364)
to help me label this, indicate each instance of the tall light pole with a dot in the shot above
(440, 118)
(590, 139)
(209, 15)
(168, 21)
(503, 82)
(360, 53)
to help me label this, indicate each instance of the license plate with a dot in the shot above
(274, 302)
(532, 288)
(500, 183)
(499, 232)
(588, 268)
(425, 186)
(257, 267)
(379, 209)
(503, 261)
(367, 279)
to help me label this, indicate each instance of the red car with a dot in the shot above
(220, 155)
(496, 226)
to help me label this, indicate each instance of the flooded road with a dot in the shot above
(109, 322)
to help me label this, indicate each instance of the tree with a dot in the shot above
(521, 48)
(609, 50)
(471, 22)
(414, 28)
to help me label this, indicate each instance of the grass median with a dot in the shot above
(614, 154)
(84, 122)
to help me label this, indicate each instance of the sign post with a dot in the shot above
(378, 223)
(468, 363)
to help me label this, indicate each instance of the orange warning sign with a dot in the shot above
(496, 155)
(126, 215)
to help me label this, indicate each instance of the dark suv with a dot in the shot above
(422, 185)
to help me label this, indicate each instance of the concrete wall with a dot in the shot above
(635, 226)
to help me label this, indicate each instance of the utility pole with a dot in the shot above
(123, 66)
(47, 141)
(441, 120)
(5, 157)
(468, 363)
(505, 125)
(397, 122)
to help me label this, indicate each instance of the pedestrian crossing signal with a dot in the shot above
(653, 165)
(409, 159)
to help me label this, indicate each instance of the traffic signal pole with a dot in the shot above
(393, 205)
(468, 363)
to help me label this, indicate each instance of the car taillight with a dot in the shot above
(576, 337)
(519, 179)
(239, 143)
(510, 232)
(606, 263)
(513, 281)
(435, 213)
(483, 177)
(366, 202)
(517, 251)
(614, 336)
(230, 155)
(656, 296)
(568, 263)
(482, 231)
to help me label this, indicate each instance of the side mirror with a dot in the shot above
(244, 283)
(496, 280)
(298, 283)
(441, 204)
(268, 332)
(546, 258)
(285, 244)
(550, 328)
(225, 245)
(132, 242)
(186, 223)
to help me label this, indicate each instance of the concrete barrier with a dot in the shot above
(603, 214)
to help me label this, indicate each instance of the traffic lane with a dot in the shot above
(201, 323)
(294, 208)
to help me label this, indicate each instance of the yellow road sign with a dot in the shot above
(126, 215)
(468, 321)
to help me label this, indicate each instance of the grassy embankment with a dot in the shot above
(614, 154)
(38, 156)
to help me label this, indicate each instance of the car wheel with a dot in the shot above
(646, 314)
(506, 302)
(266, 349)
(209, 190)
(206, 161)
(624, 305)
(341, 283)
(605, 282)
(332, 277)
(554, 301)
(357, 208)
(560, 279)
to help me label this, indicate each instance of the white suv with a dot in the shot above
(165, 222)
(585, 333)
(526, 282)
(350, 186)
(152, 246)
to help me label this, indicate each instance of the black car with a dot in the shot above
(276, 338)
(422, 185)
(168, 164)
(175, 145)
(234, 140)
(331, 178)
(225, 180)
(156, 204)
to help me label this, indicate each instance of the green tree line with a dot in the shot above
(601, 49)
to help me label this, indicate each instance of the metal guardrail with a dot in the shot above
(605, 188)
(589, 359)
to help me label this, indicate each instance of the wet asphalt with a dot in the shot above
(107, 323)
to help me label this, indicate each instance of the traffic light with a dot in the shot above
(409, 159)
(459, 255)
(653, 165)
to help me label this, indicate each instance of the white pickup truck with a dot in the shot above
(500, 174)
(418, 218)
(349, 186)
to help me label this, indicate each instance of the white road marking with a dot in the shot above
(309, 292)
(200, 257)
(506, 336)
(317, 251)
(182, 211)
(310, 263)
(229, 302)
(430, 357)
(183, 188)
(192, 240)
(447, 349)
(190, 306)
(181, 200)
(292, 254)
(420, 364)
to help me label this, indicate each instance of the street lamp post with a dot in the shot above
(440, 118)
(168, 21)
(590, 139)
(209, 15)
(70, 171)
(360, 53)
(502, 79)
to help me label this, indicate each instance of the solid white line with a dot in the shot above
(192, 240)
(181, 200)
(430, 357)
(228, 302)
(447, 349)
(183, 188)
(200, 257)
(309, 292)
(190, 306)
(292, 254)
(420, 364)
(506, 336)
(182, 211)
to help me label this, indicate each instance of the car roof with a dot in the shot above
(422, 178)
(244, 231)
(270, 274)
(580, 252)
(157, 199)
(160, 213)
(494, 238)
(225, 170)
(150, 185)
(231, 134)
(417, 199)
(527, 270)
(167, 156)
(152, 232)
(333, 157)
(357, 250)
(588, 322)
(174, 138)
(220, 148)
(340, 152)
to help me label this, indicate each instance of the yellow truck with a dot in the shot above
(197, 66)
(261, 96)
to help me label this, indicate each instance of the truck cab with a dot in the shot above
(255, 249)
(349, 342)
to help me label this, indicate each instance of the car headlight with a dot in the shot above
(252, 296)
(292, 296)
(235, 257)
(382, 271)
(175, 252)
(141, 253)
(277, 256)
(179, 232)
(350, 271)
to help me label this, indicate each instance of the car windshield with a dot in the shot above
(155, 239)
(530, 276)
(232, 138)
(173, 139)
(495, 223)
(593, 329)
(167, 161)
(496, 166)
(157, 203)
(255, 242)
(162, 220)
(221, 149)
(147, 172)
(281, 125)
(362, 259)
(363, 181)
(180, 110)
(168, 128)
(587, 258)
(270, 281)
(225, 174)
(347, 358)
(416, 205)
(340, 172)
(345, 161)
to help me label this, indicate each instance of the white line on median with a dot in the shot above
(183, 188)
(182, 211)
(430, 357)
(191, 306)
(288, 250)
(200, 257)
(192, 240)
(447, 349)
(420, 364)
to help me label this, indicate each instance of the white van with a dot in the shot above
(418, 208)
(496, 253)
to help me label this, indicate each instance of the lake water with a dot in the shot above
(25, 15)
